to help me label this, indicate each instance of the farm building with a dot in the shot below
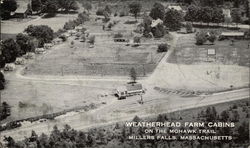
(129, 90)
(23, 9)
(232, 35)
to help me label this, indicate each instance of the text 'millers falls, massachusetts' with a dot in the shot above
(124, 73)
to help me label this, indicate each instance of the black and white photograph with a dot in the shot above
(124, 73)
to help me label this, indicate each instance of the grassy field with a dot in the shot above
(106, 58)
(109, 59)
(15, 26)
(189, 53)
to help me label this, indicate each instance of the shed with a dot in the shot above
(236, 35)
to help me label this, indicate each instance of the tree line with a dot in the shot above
(116, 135)
(51, 7)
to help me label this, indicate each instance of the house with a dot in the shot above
(129, 90)
(232, 35)
(175, 7)
(23, 9)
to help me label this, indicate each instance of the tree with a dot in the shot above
(158, 11)
(236, 16)
(158, 31)
(173, 19)
(135, 8)
(217, 16)
(224, 116)
(43, 33)
(207, 15)
(2, 81)
(36, 5)
(10, 50)
(243, 133)
(7, 6)
(87, 6)
(24, 43)
(108, 9)
(136, 119)
(50, 7)
(133, 75)
(83, 17)
(201, 38)
(192, 13)
(5, 111)
(211, 38)
(147, 21)
(68, 5)
(162, 48)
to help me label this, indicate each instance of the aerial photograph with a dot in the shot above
(124, 73)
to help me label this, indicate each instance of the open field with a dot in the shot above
(106, 58)
(17, 26)
(188, 53)
(103, 59)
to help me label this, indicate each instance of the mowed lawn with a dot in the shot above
(104, 59)
(189, 53)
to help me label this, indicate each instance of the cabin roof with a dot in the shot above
(232, 33)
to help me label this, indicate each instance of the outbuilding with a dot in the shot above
(232, 35)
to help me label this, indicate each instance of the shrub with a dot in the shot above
(137, 39)
(83, 17)
(201, 38)
(122, 14)
(212, 38)
(130, 22)
(63, 37)
(69, 25)
(91, 39)
(162, 48)
(10, 50)
(100, 11)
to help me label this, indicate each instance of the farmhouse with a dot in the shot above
(232, 35)
(22, 10)
(129, 90)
